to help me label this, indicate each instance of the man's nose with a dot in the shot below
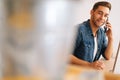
(103, 17)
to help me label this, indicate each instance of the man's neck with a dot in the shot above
(94, 28)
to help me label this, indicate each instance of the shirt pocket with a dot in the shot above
(87, 46)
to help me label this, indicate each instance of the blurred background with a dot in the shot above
(58, 13)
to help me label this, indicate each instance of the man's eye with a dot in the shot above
(99, 13)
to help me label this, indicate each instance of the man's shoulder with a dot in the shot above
(83, 25)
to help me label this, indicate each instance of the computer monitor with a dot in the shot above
(116, 66)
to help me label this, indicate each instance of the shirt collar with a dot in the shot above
(89, 28)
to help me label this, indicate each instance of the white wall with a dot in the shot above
(83, 13)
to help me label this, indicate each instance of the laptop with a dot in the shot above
(116, 66)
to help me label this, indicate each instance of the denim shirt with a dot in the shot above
(84, 46)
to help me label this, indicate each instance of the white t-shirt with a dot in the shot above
(95, 46)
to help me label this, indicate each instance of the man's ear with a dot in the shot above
(91, 12)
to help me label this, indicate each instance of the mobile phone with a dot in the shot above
(105, 27)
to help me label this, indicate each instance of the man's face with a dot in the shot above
(99, 16)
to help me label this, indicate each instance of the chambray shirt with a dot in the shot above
(84, 46)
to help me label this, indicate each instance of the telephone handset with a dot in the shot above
(105, 27)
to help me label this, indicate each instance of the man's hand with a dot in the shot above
(99, 65)
(109, 32)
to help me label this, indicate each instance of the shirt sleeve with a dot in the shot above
(77, 41)
(104, 45)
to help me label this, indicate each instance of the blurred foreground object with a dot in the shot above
(39, 36)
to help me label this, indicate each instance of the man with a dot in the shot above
(91, 40)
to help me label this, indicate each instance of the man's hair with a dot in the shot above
(102, 3)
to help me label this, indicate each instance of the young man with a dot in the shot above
(91, 40)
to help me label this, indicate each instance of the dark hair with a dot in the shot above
(102, 3)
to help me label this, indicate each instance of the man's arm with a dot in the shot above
(77, 61)
(109, 49)
(95, 65)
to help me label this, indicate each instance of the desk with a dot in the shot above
(73, 72)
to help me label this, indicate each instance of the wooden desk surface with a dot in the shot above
(73, 73)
